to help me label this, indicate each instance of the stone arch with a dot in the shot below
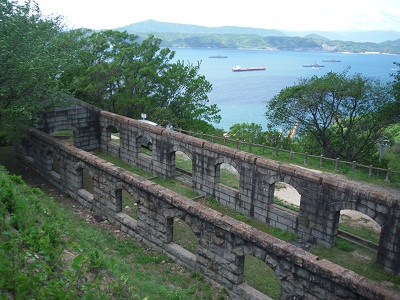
(359, 202)
(64, 132)
(222, 164)
(145, 140)
(286, 195)
(112, 134)
(359, 224)
(126, 200)
(84, 177)
(287, 182)
(184, 150)
(257, 273)
(181, 167)
(361, 218)
(53, 160)
(263, 263)
(182, 231)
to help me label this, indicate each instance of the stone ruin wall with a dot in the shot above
(322, 196)
(222, 241)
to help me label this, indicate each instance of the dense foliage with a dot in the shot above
(339, 115)
(33, 52)
(40, 60)
(115, 72)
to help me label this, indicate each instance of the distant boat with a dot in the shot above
(218, 56)
(242, 69)
(331, 60)
(314, 65)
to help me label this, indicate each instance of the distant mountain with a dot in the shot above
(175, 35)
(315, 37)
(373, 36)
(165, 27)
(152, 26)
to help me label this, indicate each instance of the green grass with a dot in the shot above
(282, 203)
(129, 205)
(276, 232)
(124, 165)
(183, 161)
(184, 236)
(358, 259)
(260, 276)
(229, 178)
(361, 231)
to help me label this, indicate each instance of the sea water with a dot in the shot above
(243, 96)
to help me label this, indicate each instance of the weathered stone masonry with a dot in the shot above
(222, 242)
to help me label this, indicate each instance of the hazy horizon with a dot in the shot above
(286, 15)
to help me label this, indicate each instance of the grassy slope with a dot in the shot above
(59, 253)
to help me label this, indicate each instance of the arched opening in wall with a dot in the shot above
(87, 181)
(66, 135)
(359, 225)
(261, 277)
(53, 160)
(146, 144)
(126, 204)
(227, 175)
(28, 150)
(183, 166)
(286, 196)
(113, 135)
(182, 235)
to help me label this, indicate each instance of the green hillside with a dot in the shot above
(231, 37)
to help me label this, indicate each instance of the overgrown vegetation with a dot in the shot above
(46, 252)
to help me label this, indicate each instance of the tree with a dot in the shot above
(33, 51)
(115, 72)
(339, 115)
(247, 132)
(396, 88)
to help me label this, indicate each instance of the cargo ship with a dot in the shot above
(218, 56)
(314, 65)
(331, 60)
(242, 69)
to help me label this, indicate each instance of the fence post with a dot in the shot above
(305, 158)
(262, 149)
(250, 144)
(237, 144)
(212, 138)
(321, 161)
(337, 164)
(353, 166)
(276, 151)
(388, 174)
(370, 170)
(224, 140)
(291, 155)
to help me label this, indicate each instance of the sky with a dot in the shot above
(293, 15)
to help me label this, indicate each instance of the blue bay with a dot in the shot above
(243, 96)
